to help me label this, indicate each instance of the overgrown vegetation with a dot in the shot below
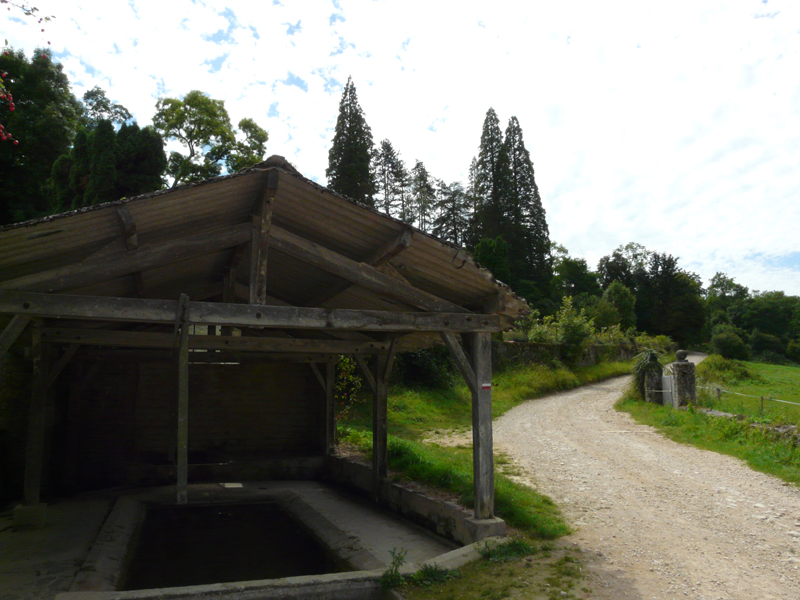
(746, 437)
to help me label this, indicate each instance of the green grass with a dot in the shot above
(416, 414)
(752, 379)
(763, 450)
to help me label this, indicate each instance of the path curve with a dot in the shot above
(657, 519)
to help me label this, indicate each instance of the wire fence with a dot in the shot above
(719, 391)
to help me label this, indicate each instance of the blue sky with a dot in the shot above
(675, 125)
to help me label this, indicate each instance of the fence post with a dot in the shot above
(719, 394)
(762, 407)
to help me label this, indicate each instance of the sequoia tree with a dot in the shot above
(349, 172)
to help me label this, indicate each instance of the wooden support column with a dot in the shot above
(183, 410)
(12, 332)
(259, 242)
(383, 368)
(482, 452)
(34, 451)
(330, 408)
(131, 242)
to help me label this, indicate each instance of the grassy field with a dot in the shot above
(753, 380)
(762, 449)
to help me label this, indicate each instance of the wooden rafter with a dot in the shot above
(241, 315)
(259, 242)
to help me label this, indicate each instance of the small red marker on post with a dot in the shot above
(486, 386)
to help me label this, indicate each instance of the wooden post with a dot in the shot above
(12, 332)
(379, 426)
(330, 408)
(34, 451)
(482, 453)
(762, 407)
(183, 415)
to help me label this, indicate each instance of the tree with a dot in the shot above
(248, 151)
(102, 164)
(573, 277)
(141, 161)
(453, 213)
(624, 301)
(386, 164)
(493, 255)
(526, 213)
(423, 196)
(98, 107)
(492, 181)
(349, 172)
(202, 125)
(44, 123)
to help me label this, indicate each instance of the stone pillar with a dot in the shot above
(652, 386)
(683, 372)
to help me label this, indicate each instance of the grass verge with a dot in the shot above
(763, 450)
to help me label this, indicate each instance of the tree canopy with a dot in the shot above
(349, 160)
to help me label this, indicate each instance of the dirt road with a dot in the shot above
(656, 519)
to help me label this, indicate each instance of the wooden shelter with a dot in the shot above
(208, 319)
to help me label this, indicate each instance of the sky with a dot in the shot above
(675, 125)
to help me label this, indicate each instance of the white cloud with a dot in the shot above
(674, 125)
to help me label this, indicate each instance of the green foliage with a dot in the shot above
(793, 350)
(102, 164)
(431, 367)
(729, 345)
(646, 362)
(97, 107)
(392, 577)
(431, 574)
(573, 332)
(507, 550)
(624, 301)
(719, 369)
(349, 170)
(452, 222)
(248, 151)
(346, 387)
(493, 254)
(44, 122)
(764, 342)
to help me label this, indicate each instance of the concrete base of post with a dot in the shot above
(480, 529)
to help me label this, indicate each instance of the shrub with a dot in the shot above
(793, 350)
(431, 367)
(764, 342)
(729, 345)
(719, 369)
(574, 331)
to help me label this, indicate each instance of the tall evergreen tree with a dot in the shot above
(452, 211)
(423, 196)
(349, 158)
(102, 164)
(492, 180)
(385, 164)
(526, 213)
(141, 161)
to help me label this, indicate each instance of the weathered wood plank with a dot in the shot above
(183, 413)
(69, 352)
(318, 375)
(461, 360)
(482, 452)
(259, 243)
(379, 426)
(148, 339)
(34, 447)
(12, 331)
(365, 370)
(240, 315)
(95, 271)
(360, 274)
(330, 407)
(131, 243)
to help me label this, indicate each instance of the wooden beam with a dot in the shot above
(360, 274)
(383, 368)
(482, 453)
(90, 272)
(12, 331)
(367, 372)
(461, 360)
(34, 448)
(69, 352)
(147, 339)
(131, 242)
(103, 308)
(183, 413)
(259, 241)
(380, 257)
(330, 407)
(318, 375)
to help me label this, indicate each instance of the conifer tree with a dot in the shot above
(491, 181)
(385, 168)
(102, 164)
(526, 212)
(452, 210)
(423, 196)
(349, 158)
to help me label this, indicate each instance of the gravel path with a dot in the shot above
(656, 519)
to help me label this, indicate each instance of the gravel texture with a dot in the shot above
(656, 519)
